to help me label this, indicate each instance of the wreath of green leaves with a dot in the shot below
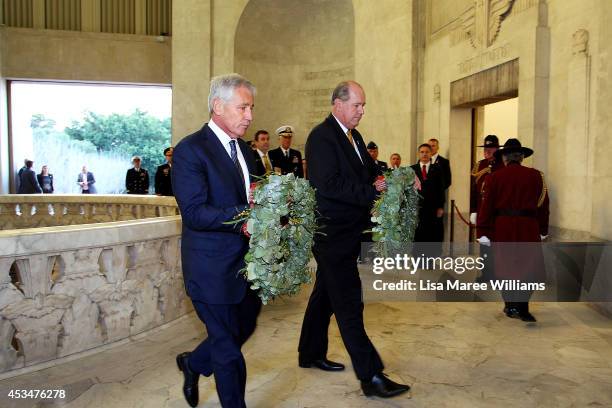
(395, 213)
(282, 225)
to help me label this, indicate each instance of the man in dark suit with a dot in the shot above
(28, 184)
(263, 164)
(441, 162)
(373, 152)
(163, 175)
(343, 174)
(285, 158)
(210, 178)
(431, 203)
(137, 178)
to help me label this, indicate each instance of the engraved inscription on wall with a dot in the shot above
(315, 96)
(484, 59)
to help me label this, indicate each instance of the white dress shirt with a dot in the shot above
(225, 141)
(345, 130)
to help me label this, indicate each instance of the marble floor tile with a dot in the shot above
(452, 354)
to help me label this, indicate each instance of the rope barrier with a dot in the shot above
(461, 216)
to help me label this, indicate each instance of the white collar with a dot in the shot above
(261, 154)
(344, 128)
(434, 158)
(223, 137)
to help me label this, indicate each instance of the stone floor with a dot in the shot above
(453, 355)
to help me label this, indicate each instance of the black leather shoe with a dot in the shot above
(381, 386)
(512, 312)
(527, 317)
(323, 364)
(190, 386)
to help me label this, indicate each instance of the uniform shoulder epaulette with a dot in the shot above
(544, 190)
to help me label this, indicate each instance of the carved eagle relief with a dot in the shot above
(482, 20)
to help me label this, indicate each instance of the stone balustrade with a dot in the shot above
(48, 210)
(70, 288)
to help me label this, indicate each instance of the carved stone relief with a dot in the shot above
(482, 21)
(580, 42)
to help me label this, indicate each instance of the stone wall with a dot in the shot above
(68, 289)
(301, 51)
(85, 56)
(563, 97)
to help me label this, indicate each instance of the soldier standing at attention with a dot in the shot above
(137, 178)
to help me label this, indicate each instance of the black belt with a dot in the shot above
(509, 212)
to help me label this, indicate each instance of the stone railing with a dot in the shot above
(48, 210)
(67, 289)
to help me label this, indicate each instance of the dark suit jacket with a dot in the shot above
(210, 192)
(28, 183)
(432, 190)
(343, 184)
(293, 164)
(90, 182)
(444, 165)
(260, 169)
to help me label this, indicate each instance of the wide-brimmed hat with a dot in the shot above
(490, 141)
(513, 145)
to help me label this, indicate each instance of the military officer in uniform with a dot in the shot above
(286, 159)
(137, 178)
(515, 207)
(163, 180)
(373, 151)
(481, 171)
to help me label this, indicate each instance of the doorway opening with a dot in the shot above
(66, 126)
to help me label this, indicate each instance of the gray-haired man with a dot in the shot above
(210, 178)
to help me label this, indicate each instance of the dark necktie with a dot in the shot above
(235, 159)
(424, 172)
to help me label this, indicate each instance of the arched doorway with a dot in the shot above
(296, 51)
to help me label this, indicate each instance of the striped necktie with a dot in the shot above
(349, 134)
(235, 159)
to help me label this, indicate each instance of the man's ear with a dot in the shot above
(218, 106)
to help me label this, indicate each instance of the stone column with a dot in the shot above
(141, 17)
(38, 14)
(388, 84)
(90, 15)
(577, 212)
(191, 60)
(5, 173)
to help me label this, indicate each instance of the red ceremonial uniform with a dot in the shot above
(480, 174)
(515, 206)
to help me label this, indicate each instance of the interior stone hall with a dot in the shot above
(94, 306)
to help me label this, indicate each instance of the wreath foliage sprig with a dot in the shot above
(395, 213)
(281, 223)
